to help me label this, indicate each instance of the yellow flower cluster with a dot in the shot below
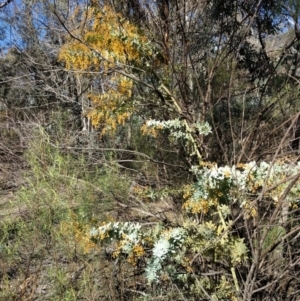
(124, 87)
(187, 192)
(253, 184)
(137, 252)
(187, 264)
(250, 210)
(201, 206)
(77, 233)
(149, 131)
(141, 192)
(105, 40)
(241, 166)
(105, 112)
(209, 165)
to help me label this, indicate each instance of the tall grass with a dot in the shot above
(41, 254)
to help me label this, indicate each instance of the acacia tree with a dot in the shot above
(191, 73)
(189, 58)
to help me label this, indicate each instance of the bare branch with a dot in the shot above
(3, 4)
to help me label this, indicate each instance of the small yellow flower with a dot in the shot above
(294, 206)
(227, 174)
(116, 253)
(187, 264)
(136, 253)
(149, 131)
(210, 225)
(139, 251)
(240, 165)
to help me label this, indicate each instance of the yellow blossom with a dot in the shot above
(107, 43)
(187, 264)
(136, 253)
(210, 225)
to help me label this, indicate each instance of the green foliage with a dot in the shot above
(66, 200)
(62, 194)
(127, 209)
(167, 252)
